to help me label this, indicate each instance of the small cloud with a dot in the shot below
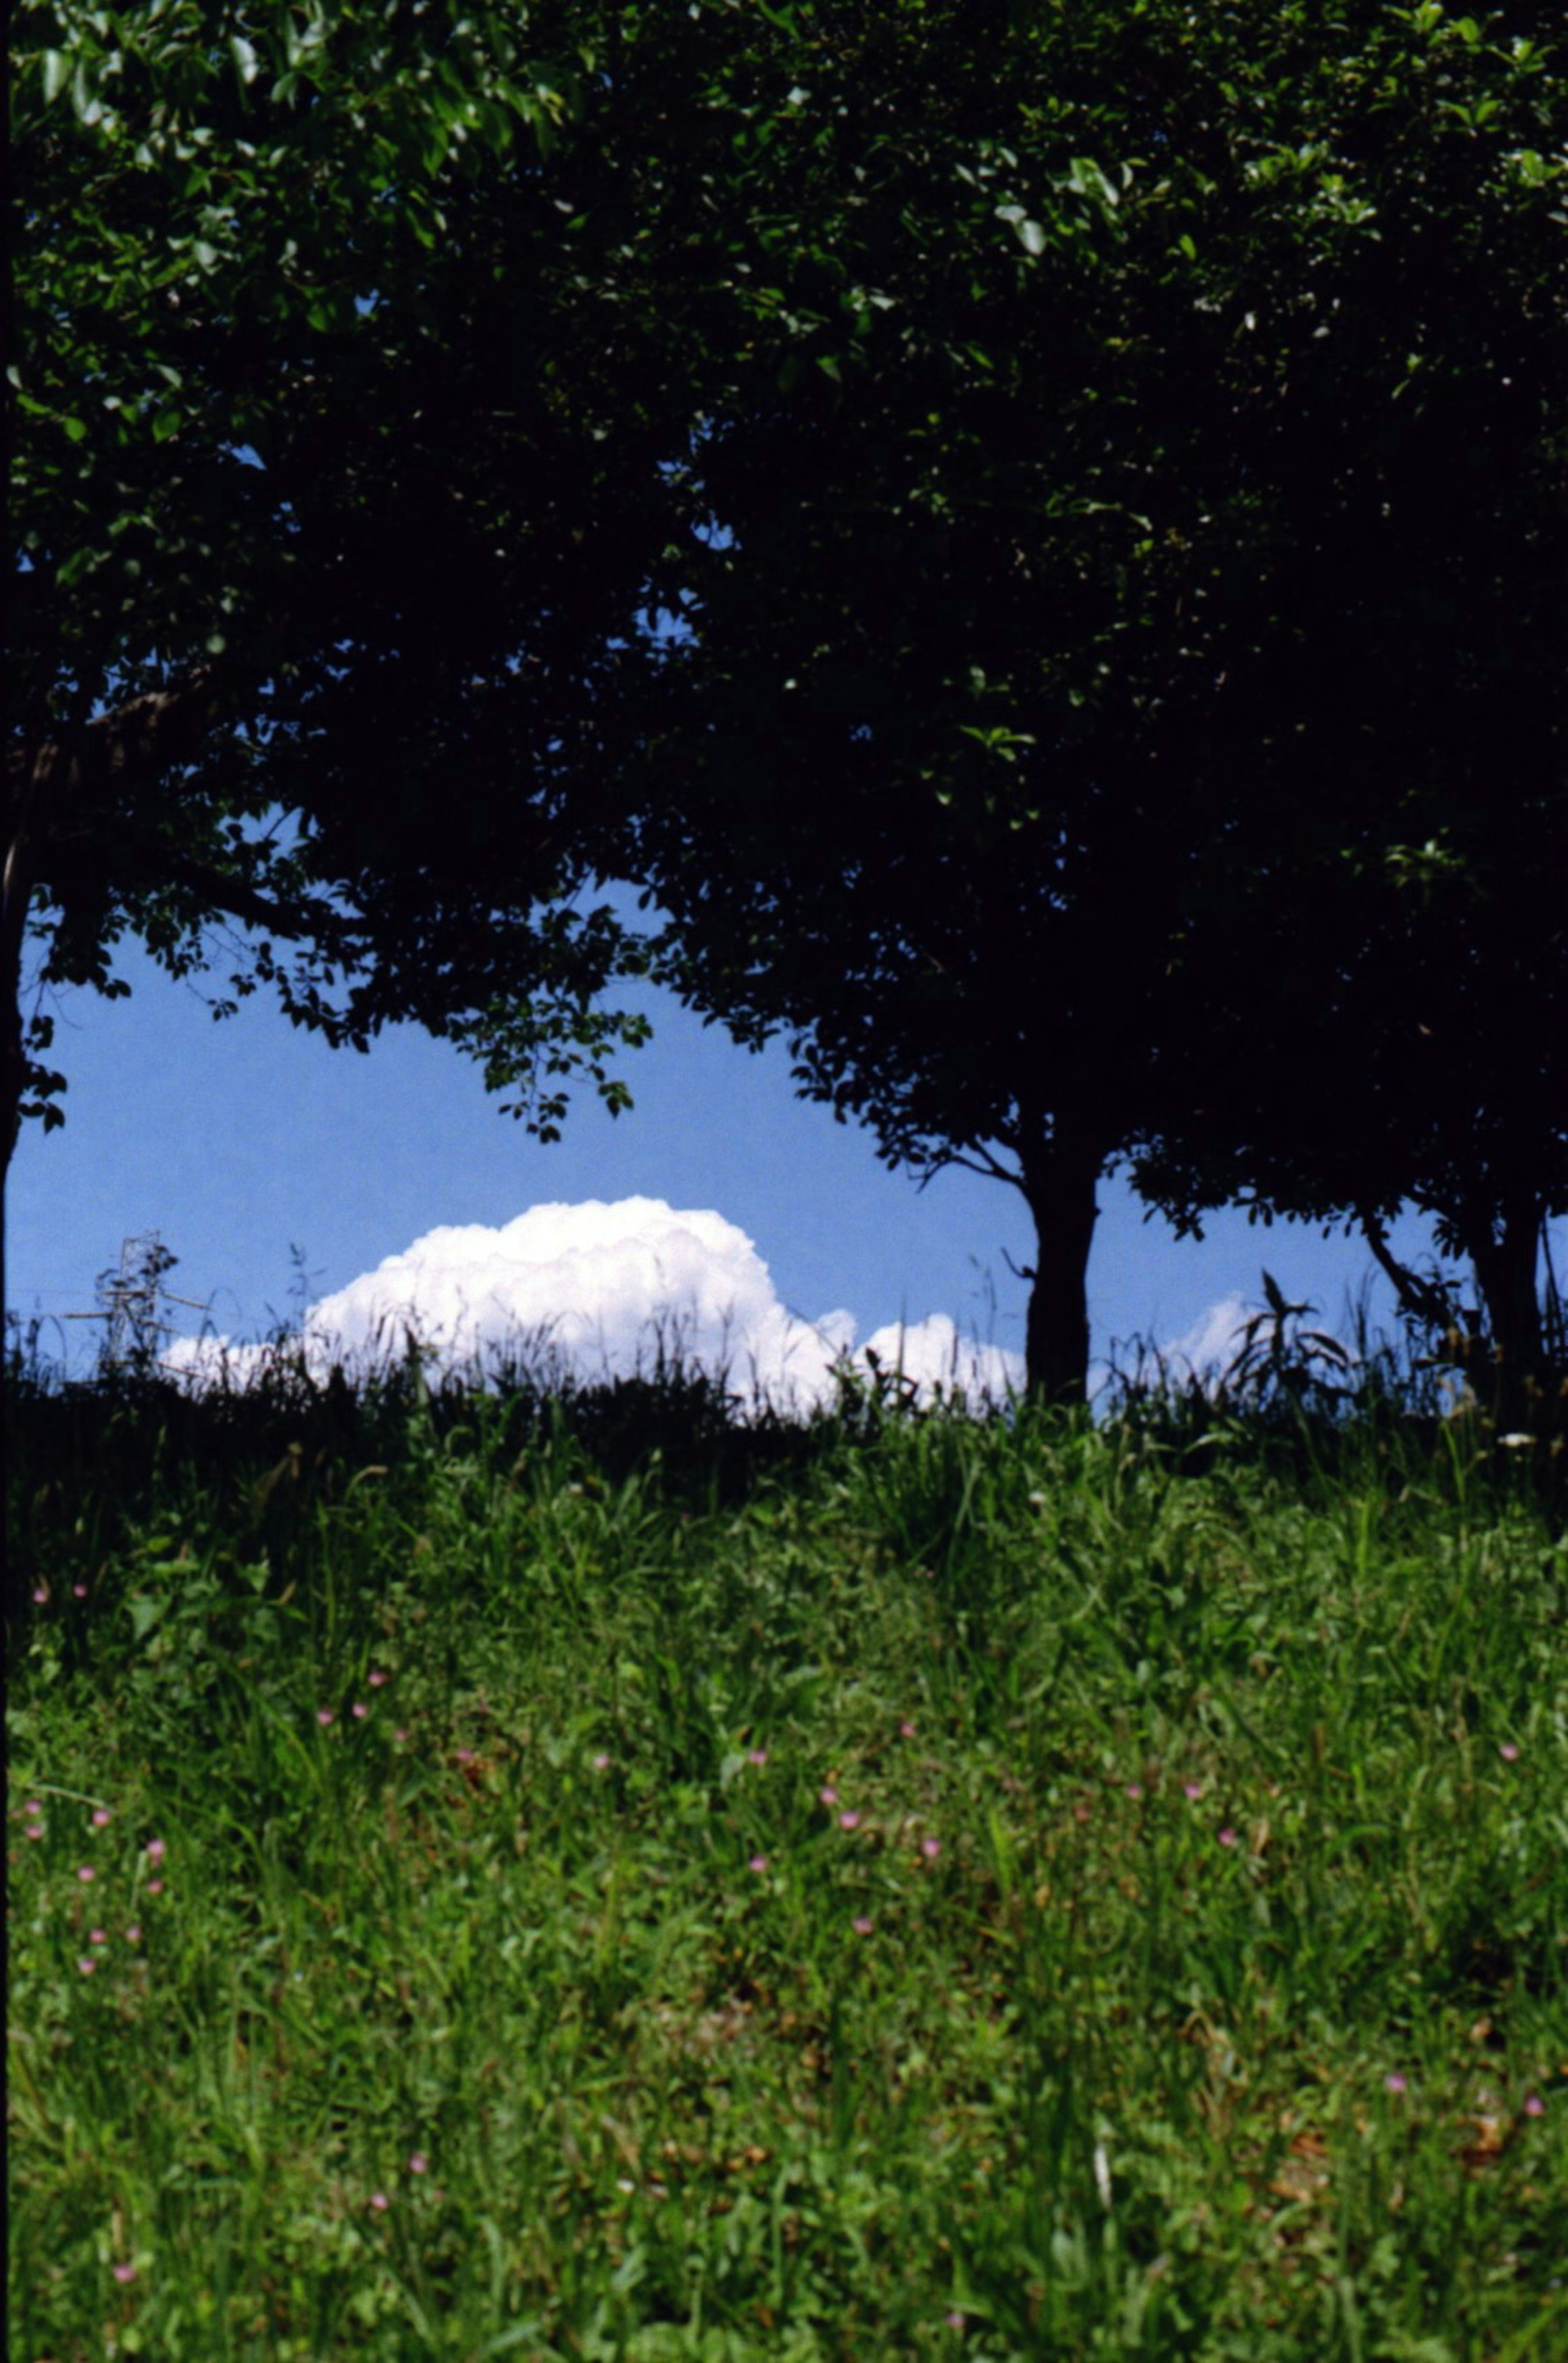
(1205, 1352)
(1211, 1348)
(932, 1354)
(601, 1289)
(1213, 1342)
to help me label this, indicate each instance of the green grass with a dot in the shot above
(901, 1887)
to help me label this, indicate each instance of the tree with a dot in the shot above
(1409, 697)
(1022, 413)
(324, 553)
(1417, 1058)
(1134, 450)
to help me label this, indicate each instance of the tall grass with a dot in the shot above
(565, 1873)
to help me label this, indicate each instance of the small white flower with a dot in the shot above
(1102, 2174)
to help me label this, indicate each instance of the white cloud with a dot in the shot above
(1218, 1336)
(933, 1354)
(1204, 1352)
(600, 1289)
(1213, 1342)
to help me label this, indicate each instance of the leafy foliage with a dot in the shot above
(1100, 472)
(312, 522)
(1088, 739)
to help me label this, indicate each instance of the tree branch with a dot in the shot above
(88, 868)
(982, 1163)
(238, 901)
(166, 726)
(1419, 1298)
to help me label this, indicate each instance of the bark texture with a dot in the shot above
(1059, 1183)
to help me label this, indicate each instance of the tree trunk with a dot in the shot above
(53, 781)
(13, 1043)
(13, 1068)
(1059, 1183)
(1504, 1250)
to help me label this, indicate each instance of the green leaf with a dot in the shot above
(1085, 177)
(75, 429)
(145, 1613)
(80, 561)
(56, 74)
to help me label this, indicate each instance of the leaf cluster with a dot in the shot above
(1136, 536)
(323, 546)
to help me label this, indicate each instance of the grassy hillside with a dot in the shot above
(574, 1878)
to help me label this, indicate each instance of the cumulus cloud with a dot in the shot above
(1204, 1352)
(1213, 1342)
(601, 1290)
(1216, 1337)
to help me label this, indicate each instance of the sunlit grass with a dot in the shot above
(503, 1877)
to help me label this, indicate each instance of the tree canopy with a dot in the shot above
(325, 548)
(1104, 472)
(1121, 717)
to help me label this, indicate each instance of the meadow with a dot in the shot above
(567, 1873)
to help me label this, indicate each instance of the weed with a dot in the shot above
(563, 1872)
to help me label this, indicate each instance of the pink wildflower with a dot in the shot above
(862, 1925)
(1395, 2082)
(1534, 2106)
(418, 2162)
(324, 1716)
(377, 1678)
(1228, 1838)
(101, 1818)
(156, 1849)
(759, 1862)
(829, 1796)
(87, 1874)
(125, 2272)
(930, 1849)
(849, 1819)
(1509, 1751)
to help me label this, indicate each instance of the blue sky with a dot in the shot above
(238, 1140)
